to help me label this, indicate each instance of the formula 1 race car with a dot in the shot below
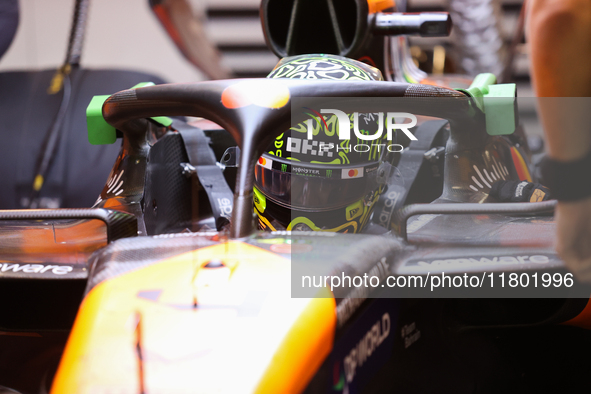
(181, 312)
(182, 294)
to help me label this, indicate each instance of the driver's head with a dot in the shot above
(323, 183)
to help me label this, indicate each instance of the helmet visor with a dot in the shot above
(315, 187)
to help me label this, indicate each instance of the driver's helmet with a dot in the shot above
(323, 184)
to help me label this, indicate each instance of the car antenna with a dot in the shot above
(60, 81)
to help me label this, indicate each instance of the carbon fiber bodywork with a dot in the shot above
(135, 253)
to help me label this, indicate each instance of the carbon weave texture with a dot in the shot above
(130, 254)
(167, 187)
(119, 224)
(430, 91)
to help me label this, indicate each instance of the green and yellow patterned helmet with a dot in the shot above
(324, 184)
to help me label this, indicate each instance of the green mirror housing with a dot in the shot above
(102, 133)
(497, 101)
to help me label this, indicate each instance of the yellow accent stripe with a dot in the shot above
(38, 183)
(304, 348)
(265, 220)
(309, 223)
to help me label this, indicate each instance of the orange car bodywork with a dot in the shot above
(196, 325)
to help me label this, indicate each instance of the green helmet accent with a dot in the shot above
(303, 188)
(325, 67)
(330, 67)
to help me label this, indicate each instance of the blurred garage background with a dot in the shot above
(126, 34)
